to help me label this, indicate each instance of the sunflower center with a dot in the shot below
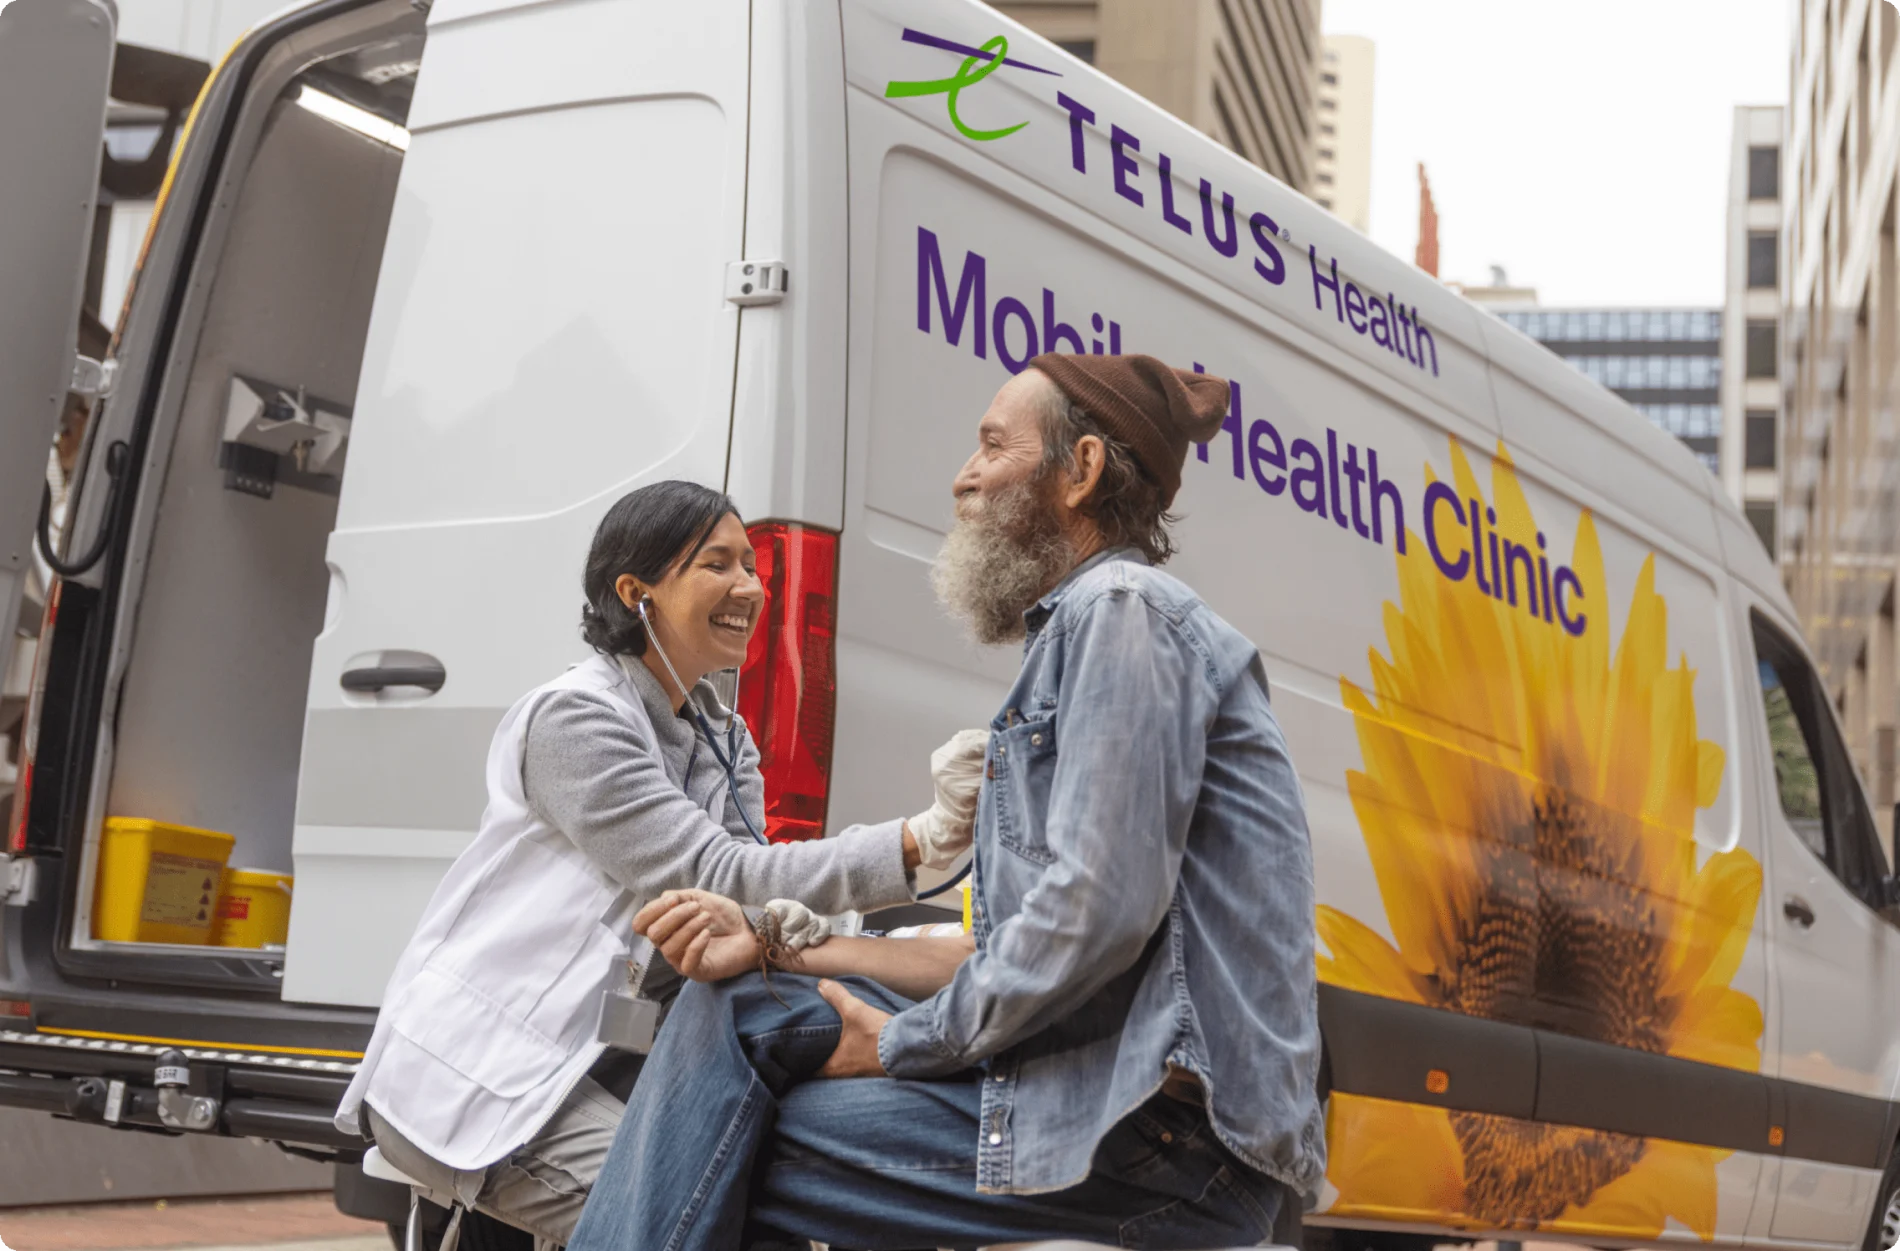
(1561, 937)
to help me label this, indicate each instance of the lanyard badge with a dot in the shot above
(628, 1021)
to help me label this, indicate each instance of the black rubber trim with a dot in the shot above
(1834, 1126)
(1386, 1049)
(1625, 1091)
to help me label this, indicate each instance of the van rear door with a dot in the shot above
(550, 331)
(55, 67)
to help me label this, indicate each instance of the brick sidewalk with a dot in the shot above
(280, 1222)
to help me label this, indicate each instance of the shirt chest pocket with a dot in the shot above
(1022, 768)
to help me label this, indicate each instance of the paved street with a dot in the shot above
(281, 1223)
(276, 1223)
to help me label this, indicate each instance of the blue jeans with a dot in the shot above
(725, 1143)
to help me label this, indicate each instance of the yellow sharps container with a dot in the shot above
(157, 882)
(254, 908)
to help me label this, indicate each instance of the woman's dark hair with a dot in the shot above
(649, 533)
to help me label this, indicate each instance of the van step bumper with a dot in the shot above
(283, 1104)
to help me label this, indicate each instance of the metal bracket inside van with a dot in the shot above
(278, 434)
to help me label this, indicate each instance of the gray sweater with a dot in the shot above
(638, 808)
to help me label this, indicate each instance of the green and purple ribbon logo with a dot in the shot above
(978, 64)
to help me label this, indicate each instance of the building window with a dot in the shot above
(1080, 49)
(1326, 128)
(1762, 252)
(1325, 154)
(1764, 173)
(1326, 204)
(1762, 349)
(1760, 452)
(1762, 517)
(1326, 102)
(1330, 79)
(1325, 180)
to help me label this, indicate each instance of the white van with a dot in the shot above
(1607, 938)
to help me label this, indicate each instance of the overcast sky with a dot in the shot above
(1585, 148)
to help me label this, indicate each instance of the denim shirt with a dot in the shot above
(1144, 894)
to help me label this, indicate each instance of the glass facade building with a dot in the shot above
(1666, 362)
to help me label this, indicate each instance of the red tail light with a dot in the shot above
(30, 723)
(788, 689)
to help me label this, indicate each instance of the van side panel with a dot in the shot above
(549, 332)
(1509, 694)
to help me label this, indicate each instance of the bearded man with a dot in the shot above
(1126, 1047)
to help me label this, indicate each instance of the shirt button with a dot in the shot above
(1166, 1136)
(1035, 740)
(996, 1140)
(999, 1077)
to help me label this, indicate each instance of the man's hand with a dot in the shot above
(856, 1055)
(703, 935)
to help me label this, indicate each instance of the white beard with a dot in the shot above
(1000, 557)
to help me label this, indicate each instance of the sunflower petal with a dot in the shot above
(1361, 959)
(1672, 1179)
(1393, 1161)
(1710, 761)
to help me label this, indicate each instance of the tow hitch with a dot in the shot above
(168, 1103)
(177, 1108)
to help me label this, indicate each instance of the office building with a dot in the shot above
(1342, 141)
(1751, 313)
(1838, 344)
(1667, 362)
(1244, 71)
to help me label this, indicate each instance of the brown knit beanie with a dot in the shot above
(1156, 410)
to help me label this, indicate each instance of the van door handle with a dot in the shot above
(1796, 909)
(368, 681)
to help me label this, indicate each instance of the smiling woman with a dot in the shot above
(699, 607)
(492, 1068)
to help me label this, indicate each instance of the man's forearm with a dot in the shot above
(916, 968)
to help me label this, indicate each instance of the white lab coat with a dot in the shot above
(491, 1015)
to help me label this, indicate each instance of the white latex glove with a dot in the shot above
(956, 770)
(798, 925)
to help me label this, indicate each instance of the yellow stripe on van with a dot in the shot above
(209, 1046)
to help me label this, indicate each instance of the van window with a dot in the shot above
(1796, 779)
(1820, 795)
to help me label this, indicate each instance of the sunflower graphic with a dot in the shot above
(1528, 802)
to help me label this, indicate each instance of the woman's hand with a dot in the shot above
(705, 936)
(798, 926)
(956, 771)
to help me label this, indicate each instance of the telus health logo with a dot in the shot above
(978, 64)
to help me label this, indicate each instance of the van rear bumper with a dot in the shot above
(283, 1100)
(275, 1070)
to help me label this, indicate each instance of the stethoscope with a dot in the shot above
(729, 758)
